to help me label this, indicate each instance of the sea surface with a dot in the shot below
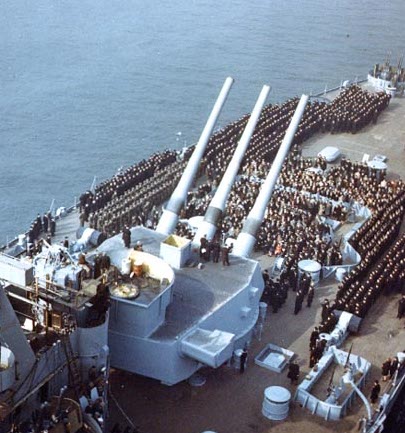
(89, 86)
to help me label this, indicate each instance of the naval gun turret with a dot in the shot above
(185, 316)
(181, 317)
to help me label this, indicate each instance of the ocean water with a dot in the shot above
(89, 86)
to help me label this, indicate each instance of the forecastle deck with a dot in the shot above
(230, 402)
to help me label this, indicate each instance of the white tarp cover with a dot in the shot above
(330, 153)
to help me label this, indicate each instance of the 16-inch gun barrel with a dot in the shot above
(217, 206)
(247, 238)
(170, 216)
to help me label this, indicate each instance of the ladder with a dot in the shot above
(71, 359)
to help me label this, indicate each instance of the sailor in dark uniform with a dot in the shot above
(311, 294)
(97, 266)
(375, 392)
(292, 278)
(204, 248)
(225, 250)
(45, 223)
(266, 277)
(53, 227)
(313, 338)
(126, 237)
(216, 249)
(293, 372)
(401, 307)
(325, 310)
(298, 301)
(394, 366)
(243, 358)
(385, 369)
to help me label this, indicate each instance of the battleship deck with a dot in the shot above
(230, 402)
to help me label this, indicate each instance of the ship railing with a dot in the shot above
(49, 292)
(336, 88)
(52, 206)
(94, 183)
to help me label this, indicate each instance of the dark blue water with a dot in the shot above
(89, 86)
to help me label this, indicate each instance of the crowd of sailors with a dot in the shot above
(308, 196)
(358, 292)
(132, 197)
(41, 228)
(351, 111)
(297, 225)
(360, 288)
